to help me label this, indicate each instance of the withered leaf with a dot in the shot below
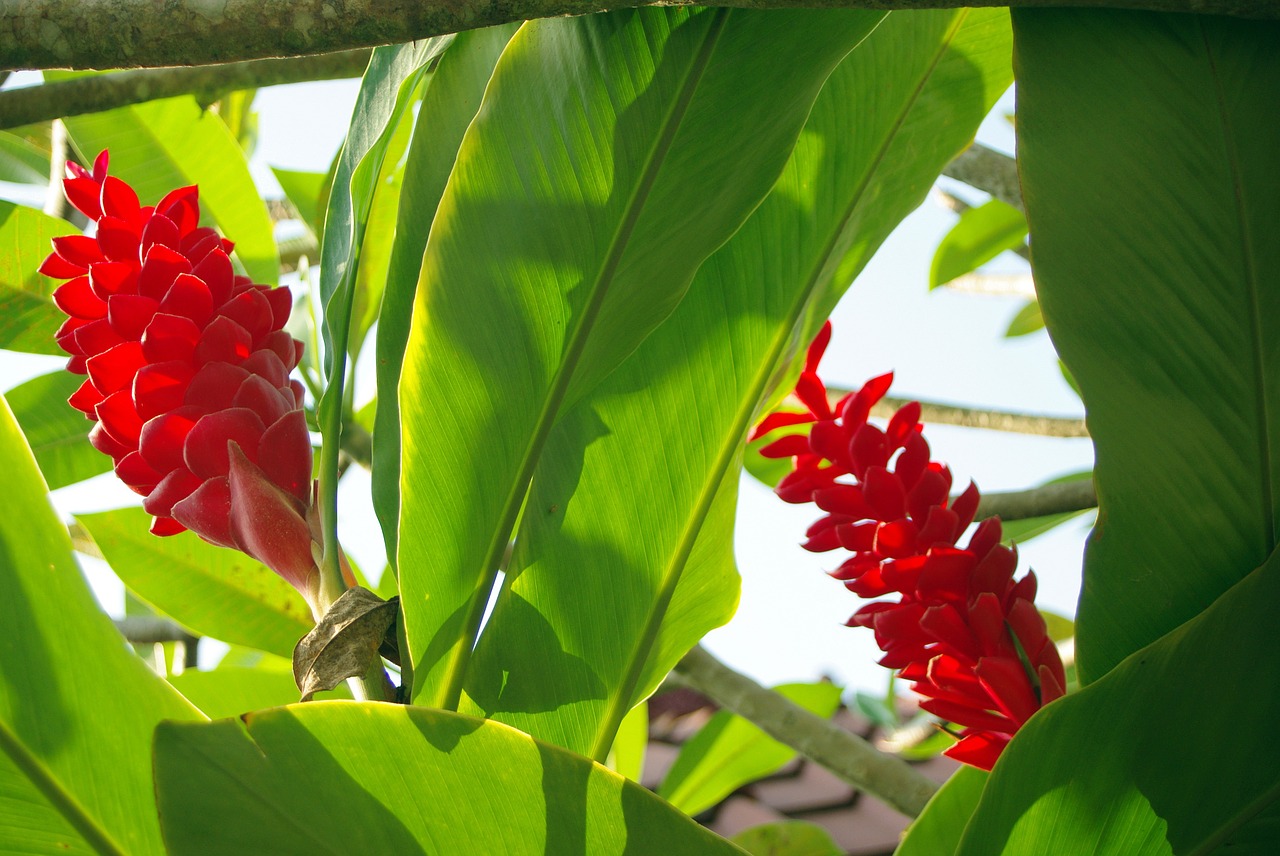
(345, 642)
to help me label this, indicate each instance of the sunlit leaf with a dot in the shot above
(981, 234)
(28, 318)
(57, 432)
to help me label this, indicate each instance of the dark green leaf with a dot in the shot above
(729, 752)
(1120, 768)
(1147, 153)
(212, 590)
(344, 778)
(57, 432)
(233, 690)
(981, 234)
(550, 261)
(624, 558)
(28, 318)
(77, 708)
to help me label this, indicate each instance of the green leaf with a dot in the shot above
(627, 756)
(981, 234)
(379, 236)
(787, 838)
(57, 433)
(76, 707)
(211, 590)
(385, 96)
(770, 471)
(1148, 161)
(937, 831)
(1028, 320)
(1118, 767)
(304, 190)
(341, 777)
(549, 262)
(453, 96)
(28, 318)
(729, 752)
(232, 691)
(22, 161)
(162, 145)
(624, 559)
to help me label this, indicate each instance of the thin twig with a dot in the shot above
(988, 170)
(208, 83)
(853, 759)
(145, 33)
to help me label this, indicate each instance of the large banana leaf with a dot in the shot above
(1148, 155)
(448, 106)
(624, 557)
(77, 708)
(28, 318)
(345, 778)
(600, 171)
(57, 432)
(1173, 751)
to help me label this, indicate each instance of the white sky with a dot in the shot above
(944, 346)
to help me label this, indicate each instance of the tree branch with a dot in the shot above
(853, 759)
(1060, 498)
(144, 33)
(971, 417)
(988, 170)
(207, 82)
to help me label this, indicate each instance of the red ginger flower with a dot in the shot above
(963, 631)
(188, 374)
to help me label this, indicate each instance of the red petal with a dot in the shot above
(206, 448)
(118, 199)
(251, 311)
(787, 447)
(903, 425)
(813, 394)
(858, 407)
(284, 454)
(118, 239)
(96, 337)
(945, 624)
(268, 525)
(980, 750)
(160, 230)
(165, 526)
(86, 398)
(77, 299)
(106, 444)
(207, 512)
(56, 267)
(100, 164)
(778, 419)
(818, 348)
(965, 506)
(182, 207)
(189, 296)
(83, 193)
(134, 472)
(162, 439)
(1009, 685)
(884, 493)
(223, 341)
(79, 250)
(284, 346)
(129, 314)
(114, 369)
(267, 365)
(215, 270)
(969, 717)
(281, 303)
(110, 278)
(161, 267)
(161, 387)
(118, 417)
(214, 386)
(262, 398)
(173, 488)
(170, 337)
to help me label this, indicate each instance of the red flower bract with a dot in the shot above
(964, 632)
(188, 373)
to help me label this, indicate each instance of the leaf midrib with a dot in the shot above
(618, 245)
(620, 703)
(61, 799)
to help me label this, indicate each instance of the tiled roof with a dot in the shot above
(802, 790)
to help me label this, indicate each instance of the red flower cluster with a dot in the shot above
(188, 370)
(963, 631)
